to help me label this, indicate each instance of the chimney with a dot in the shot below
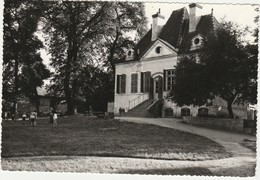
(155, 24)
(193, 18)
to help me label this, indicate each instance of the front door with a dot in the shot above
(158, 87)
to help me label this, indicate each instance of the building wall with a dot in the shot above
(154, 65)
(218, 108)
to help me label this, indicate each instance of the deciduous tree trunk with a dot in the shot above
(230, 111)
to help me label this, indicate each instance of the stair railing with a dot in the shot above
(136, 101)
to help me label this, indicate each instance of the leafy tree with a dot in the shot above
(20, 46)
(226, 68)
(83, 33)
(128, 19)
(32, 76)
(70, 26)
(191, 85)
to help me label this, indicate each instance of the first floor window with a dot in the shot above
(121, 84)
(134, 83)
(168, 79)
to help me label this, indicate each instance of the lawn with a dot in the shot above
(82, 136)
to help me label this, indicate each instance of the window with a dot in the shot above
(134, 83)
(158, 49)
(168, 112)
(168, 79)
(121, 83)
(145, 81)
(185, 112)
(196, 41)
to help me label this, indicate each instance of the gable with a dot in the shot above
(158, 49)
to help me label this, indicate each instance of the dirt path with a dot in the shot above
(242, 164)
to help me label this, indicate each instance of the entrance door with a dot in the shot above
(158, 87)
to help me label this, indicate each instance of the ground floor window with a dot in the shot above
(121, 84)
(203, 112)
(145, 81)
(134, 82)
(185, 112)
(168, 79)
(168, 112)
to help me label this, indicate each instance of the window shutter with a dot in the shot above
(136, 83)
(148, 78)
(151, 88)
(164, 80)
(123, 83)
(117, 84)
(142, 82)
(132, 83)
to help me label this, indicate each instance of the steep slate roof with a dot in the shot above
(205, 26)
(174, 27)
(176, 32)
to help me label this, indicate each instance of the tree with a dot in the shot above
(226, 68)
(191, 85)
(32, 76)
(20, 46)
(83, 33)
(70, 25)
(128, 18)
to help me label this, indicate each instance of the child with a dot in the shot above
(55, 117)
(33, 117)
(24, 117)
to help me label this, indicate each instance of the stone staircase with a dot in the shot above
(141, 110)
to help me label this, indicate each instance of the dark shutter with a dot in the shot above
(151, 88)
(123, 83)
(164, 80)
(134, 83)
(142, 82)
(117, 84)
(147, 81)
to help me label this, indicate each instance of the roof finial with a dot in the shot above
(159, 12)
(212, 12)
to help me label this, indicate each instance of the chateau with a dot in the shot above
(144, 79)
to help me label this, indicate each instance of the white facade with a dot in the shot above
(151, 61)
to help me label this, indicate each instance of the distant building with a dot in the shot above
(45, 102)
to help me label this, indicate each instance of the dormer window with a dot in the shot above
(196, 42)
(129, 53)
(158, 49)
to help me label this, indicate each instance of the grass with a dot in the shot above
(82, 136)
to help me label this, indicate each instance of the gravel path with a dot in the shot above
(242, 163)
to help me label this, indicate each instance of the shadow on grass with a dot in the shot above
(199, 171)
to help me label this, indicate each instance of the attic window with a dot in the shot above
(196, 41)
(158, 49)
(129, 53)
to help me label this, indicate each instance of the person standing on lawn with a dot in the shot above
(33, 118)
(24, 117)
(55, 117)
